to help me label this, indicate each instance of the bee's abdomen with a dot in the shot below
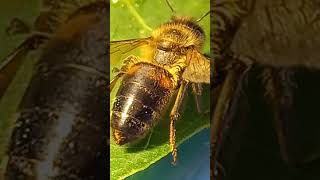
(139, 103)
(61, 133)
(58, 136)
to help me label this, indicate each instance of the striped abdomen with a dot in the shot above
(140, 101)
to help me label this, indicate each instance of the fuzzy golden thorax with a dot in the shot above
(175, 39)
(180, 32)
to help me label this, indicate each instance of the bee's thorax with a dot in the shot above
(173, 40)
(181, 32)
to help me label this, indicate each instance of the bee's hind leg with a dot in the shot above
(218, 172)
(279, 90)
(174, 116)
(148, 141)
(197, 91)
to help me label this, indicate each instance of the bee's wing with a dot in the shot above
(119, 48)
(11, 63)
(198, 70)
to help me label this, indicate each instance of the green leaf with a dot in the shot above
(128, 20)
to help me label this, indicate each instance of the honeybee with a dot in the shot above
(56, 135)
(170, 61)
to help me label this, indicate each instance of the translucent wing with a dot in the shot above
(125, 46)
(198, 70)
(120, 48)
(10, 64)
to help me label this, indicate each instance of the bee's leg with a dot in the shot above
(236, 74)
(229, 14)
(148, 141)
(217, 119)
(279, 90)
(125, 68)
(219, 171)
(130, 61)
(197, 91)
(11, 63)
(174, 115)
(115, 80)
(17, 26)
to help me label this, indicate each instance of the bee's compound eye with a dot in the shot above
(164, 45)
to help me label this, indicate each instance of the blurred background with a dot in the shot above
(194, 162)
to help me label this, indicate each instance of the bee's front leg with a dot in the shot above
(174, 115)
(17, 26)
(128, 63)
(115, 80)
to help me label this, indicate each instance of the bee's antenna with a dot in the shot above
(173, 11)
(203, 16)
